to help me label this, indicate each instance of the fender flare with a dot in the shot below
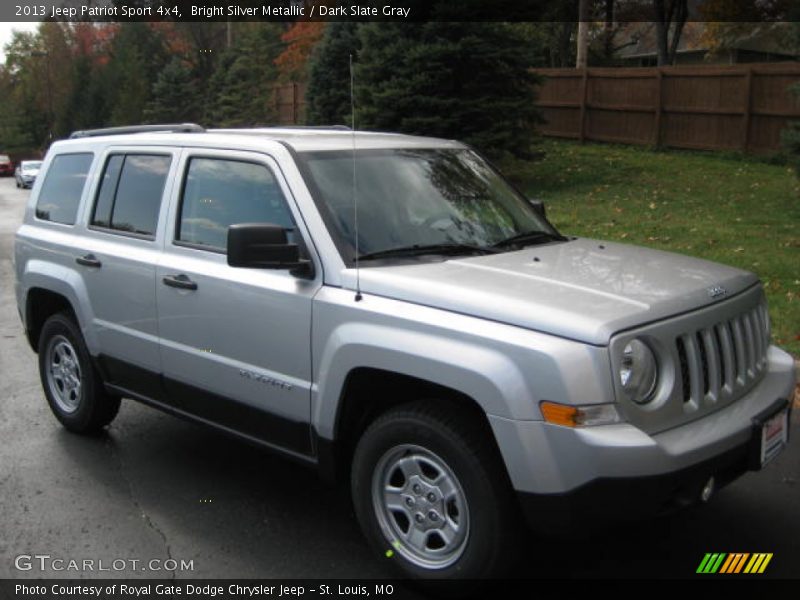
(68, 283)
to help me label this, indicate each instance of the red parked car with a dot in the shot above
(6, 168)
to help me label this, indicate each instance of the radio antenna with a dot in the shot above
(355, 192)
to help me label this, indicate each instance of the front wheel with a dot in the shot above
(73, 388)
(431, 493)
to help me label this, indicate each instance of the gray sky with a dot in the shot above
(5, 34)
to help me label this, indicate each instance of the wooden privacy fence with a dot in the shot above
(290, 103)
(740, 107)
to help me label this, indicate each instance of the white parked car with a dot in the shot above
(26, 173)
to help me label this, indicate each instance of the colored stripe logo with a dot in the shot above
(734, 563)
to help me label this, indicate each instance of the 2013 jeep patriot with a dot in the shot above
(388, 308)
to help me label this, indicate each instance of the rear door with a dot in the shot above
(235, 343)
(118, 257)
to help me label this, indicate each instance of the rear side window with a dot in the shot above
(131, 188)
(219, 193)
(62, 188)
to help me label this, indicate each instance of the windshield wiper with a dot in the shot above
(529, 238)
(420, 249)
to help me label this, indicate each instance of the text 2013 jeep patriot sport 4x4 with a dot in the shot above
(389, 309)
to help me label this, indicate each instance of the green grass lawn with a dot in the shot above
(734, 210)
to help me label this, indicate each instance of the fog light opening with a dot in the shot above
(708, 490)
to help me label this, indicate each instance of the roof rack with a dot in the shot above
(319, 127)
(171, 127)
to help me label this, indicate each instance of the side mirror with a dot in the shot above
(264, 246)
(538, 206)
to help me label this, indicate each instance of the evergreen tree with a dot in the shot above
(86, 104)
(328, 92)
(241, 86)
(138, 55)
(175, 96)
(470, 81)
(132, 87)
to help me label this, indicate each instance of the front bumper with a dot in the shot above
(603, 465)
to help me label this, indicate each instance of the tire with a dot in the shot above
(72, 385)
(422, 453)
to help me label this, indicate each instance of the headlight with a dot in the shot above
(638, 372)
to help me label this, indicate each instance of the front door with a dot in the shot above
(235, 343)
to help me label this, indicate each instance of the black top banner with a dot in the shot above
(392, 10)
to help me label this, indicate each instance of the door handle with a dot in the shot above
(179, 281)
(89, 260)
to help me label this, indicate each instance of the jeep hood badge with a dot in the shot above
(717, 291)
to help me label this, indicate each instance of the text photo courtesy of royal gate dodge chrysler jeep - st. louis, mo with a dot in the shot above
(427, 295)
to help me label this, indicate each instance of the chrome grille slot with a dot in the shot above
(711, 344)
(718, 361)
(750, 342)
(701, 350)
(759, 328)
(738, 344)
(728, 355)
(683, 365)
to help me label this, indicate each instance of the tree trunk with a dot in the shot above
(583, 34)
(681, 11)
(565, 44)
(662, 30)
(674, 13)
(609, 30)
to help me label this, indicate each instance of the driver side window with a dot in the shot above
(218, 193)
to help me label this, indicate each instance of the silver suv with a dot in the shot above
(389, 309)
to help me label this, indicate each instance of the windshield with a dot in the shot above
(417, 198)
(31, 165)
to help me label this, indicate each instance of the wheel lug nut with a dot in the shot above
(419, 518)
(433, 515)
(417, 489)
(410, 501)
(431, 497)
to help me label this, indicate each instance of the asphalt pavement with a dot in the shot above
(155, 488)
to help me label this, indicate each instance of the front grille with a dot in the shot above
(719, 361)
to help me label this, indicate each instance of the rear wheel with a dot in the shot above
(72, 386)
(431, 493)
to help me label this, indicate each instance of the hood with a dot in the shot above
(582, 289)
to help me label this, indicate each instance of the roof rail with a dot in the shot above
(321, 127)
(172, 127)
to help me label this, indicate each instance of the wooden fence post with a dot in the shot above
(584, 96)
(748, 108)
(659, 106)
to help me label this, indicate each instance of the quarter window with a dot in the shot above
(219, 193)
(62, 188)
(129, 198)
